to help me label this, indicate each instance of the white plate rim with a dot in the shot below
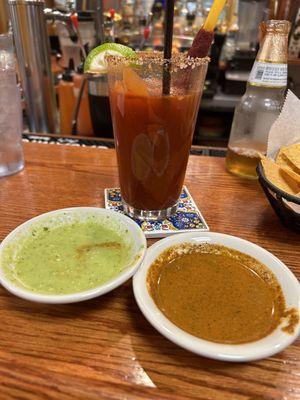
(84, 295)
(246, 352)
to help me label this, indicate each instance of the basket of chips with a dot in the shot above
(280, 180)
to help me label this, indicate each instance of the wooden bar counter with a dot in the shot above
(104, 348)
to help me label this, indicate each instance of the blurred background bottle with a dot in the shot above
(66, 99)
(261, 104)
(11, 151)
(230, 41)
(84, 123)
(3, 17)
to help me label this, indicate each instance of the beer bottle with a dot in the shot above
(261, 104)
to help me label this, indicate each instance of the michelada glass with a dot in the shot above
(154, 105)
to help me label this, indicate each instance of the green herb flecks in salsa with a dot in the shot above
(68, 258)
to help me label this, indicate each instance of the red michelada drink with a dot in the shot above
(154, 104)
(153, 131)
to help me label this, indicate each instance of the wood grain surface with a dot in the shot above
(104, 348)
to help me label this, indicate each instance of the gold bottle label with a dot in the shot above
(270, 67)
(268, 74)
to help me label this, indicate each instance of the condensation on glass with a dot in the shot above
(11, 150)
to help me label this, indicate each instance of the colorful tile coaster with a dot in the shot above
(188, 218)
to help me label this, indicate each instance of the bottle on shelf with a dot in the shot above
(84, 123)
(199, 20)
(261, 104)
(69, 89)
(229, 46)
(66, 99)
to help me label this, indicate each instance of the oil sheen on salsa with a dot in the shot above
(66, 259)
(216, 293)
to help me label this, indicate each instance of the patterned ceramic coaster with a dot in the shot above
(188, 218)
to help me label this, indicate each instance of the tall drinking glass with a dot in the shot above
(11, 151)
(153, 128)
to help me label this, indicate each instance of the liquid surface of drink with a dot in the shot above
(11, 151)
(153, 135)
(242, 161)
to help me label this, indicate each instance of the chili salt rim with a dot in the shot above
(178, 60)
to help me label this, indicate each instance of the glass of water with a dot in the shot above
(11, 150)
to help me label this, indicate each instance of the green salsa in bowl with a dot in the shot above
(71, 255)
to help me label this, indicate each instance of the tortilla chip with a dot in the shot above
(279, 177)
(291, 173)
(292, 153)
(260, 155)
(283, 161)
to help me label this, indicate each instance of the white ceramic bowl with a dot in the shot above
(269, 345)
(138, 253)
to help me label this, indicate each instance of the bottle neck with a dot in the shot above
(273, 48)
(270, 67)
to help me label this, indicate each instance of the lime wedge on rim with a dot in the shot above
(96, 62)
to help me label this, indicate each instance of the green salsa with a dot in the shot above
(67, 258)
